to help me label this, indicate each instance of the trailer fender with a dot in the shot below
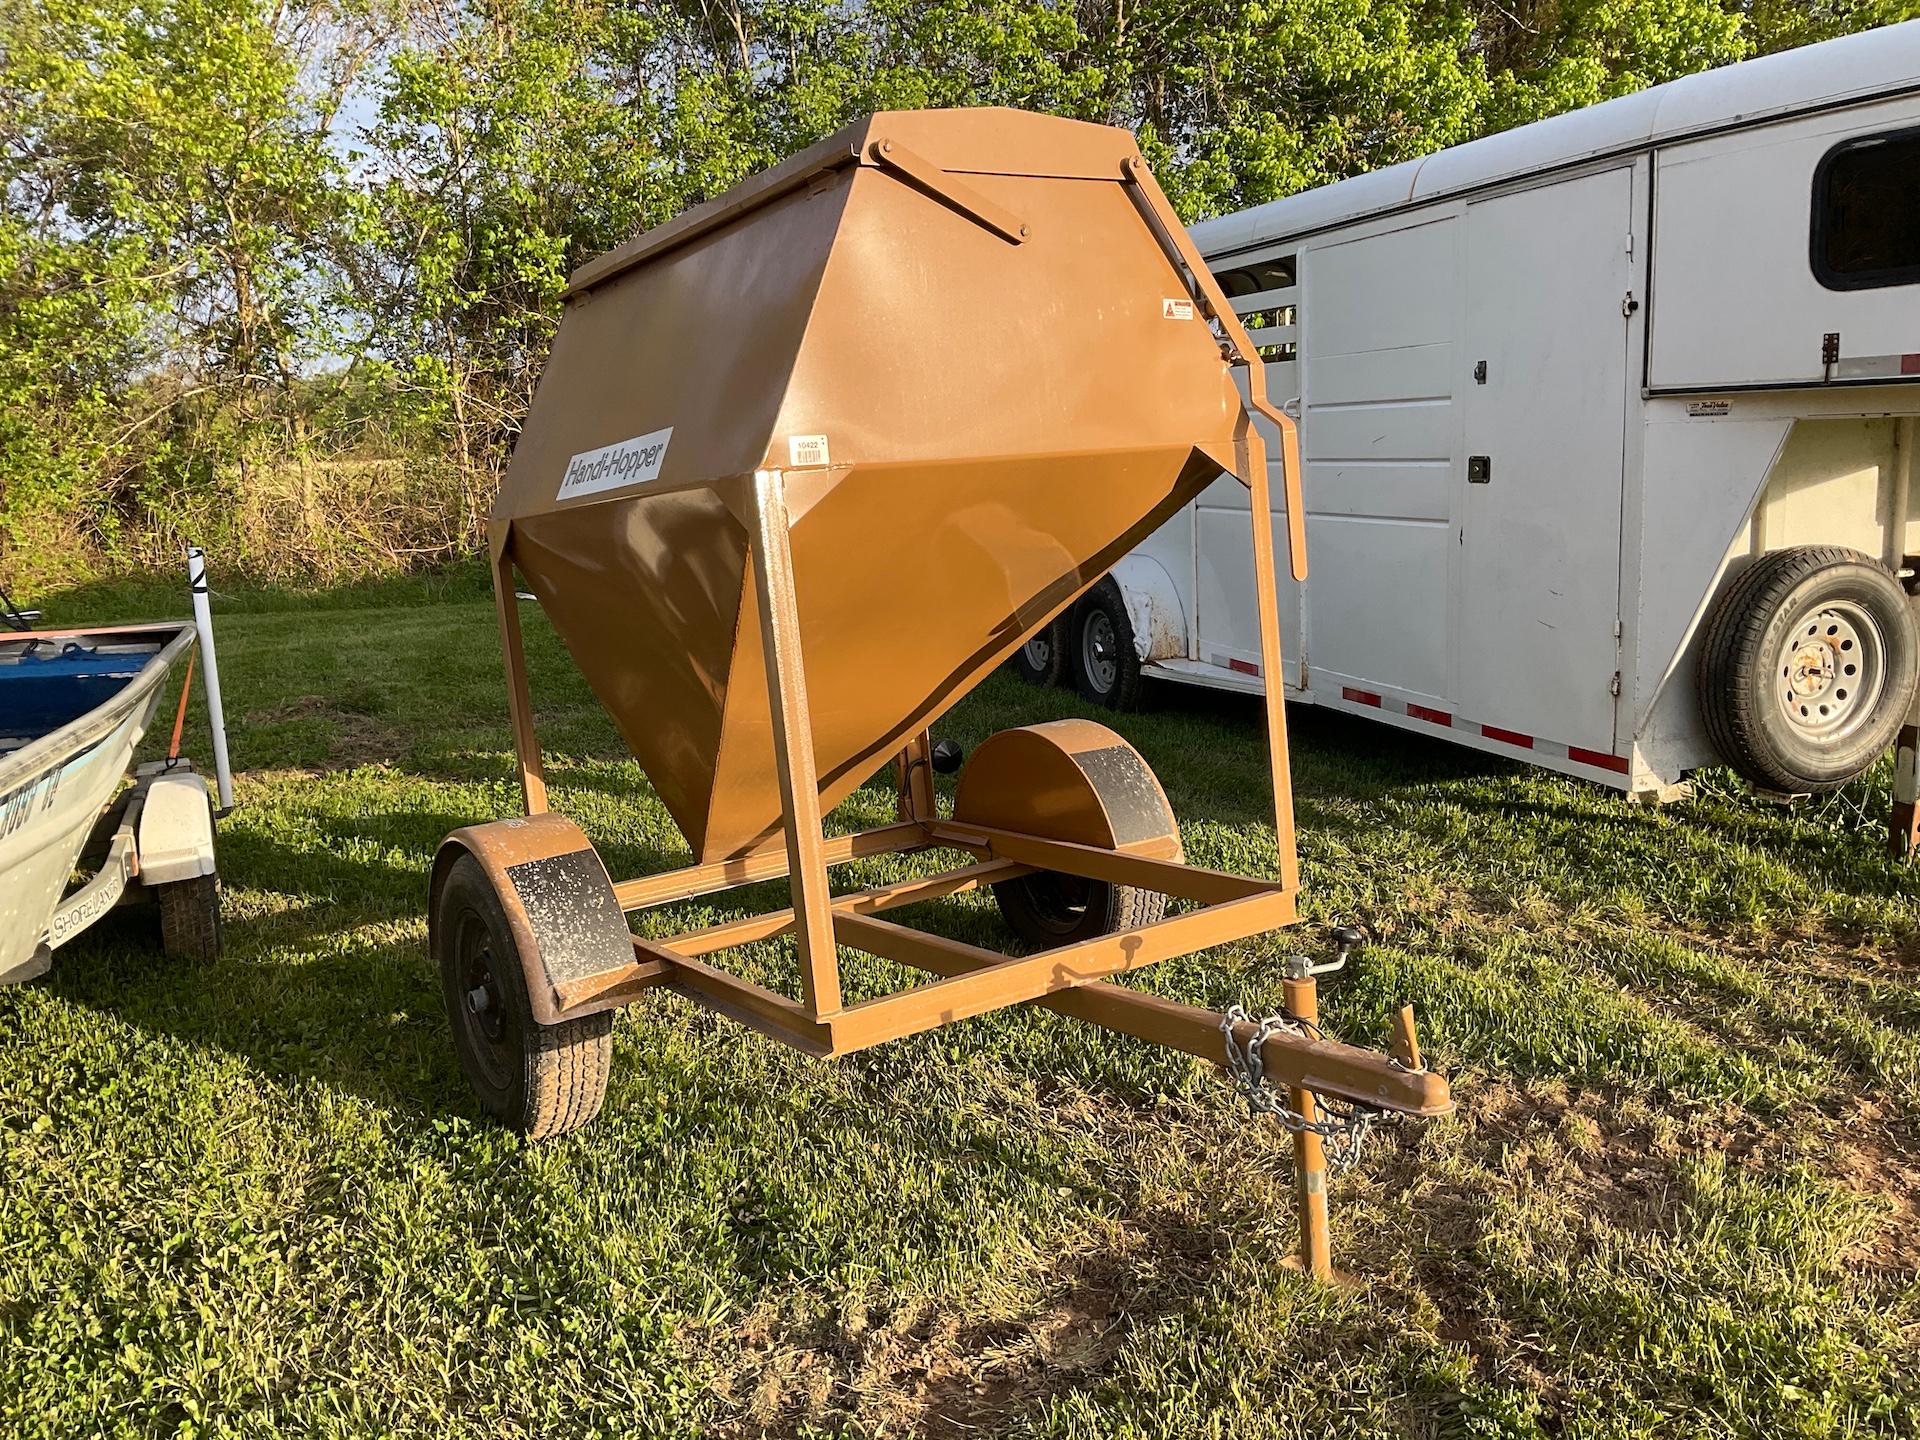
(173, 835)
(1071, 780)
(558, 900)
(1153, 607)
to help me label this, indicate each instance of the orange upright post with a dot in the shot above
(1309, 1152)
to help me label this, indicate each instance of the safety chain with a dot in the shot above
(1342, 1128)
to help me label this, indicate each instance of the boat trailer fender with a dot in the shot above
(174, 826)
(558, 903)
(1154, 610)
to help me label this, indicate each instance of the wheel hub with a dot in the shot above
(1039, 652)
(485, 1010)
(1097, 651)
(1059, 900)
(1832, 671)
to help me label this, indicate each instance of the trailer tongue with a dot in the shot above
(805, 464)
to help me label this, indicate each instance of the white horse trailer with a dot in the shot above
(1607, 433)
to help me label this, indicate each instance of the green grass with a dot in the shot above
(1679, 1196)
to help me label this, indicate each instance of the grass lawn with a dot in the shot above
(1678, 1198)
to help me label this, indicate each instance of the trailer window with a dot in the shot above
(1256, 278)
(1866, 213)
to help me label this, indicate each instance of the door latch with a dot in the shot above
(1480, 372)
(1629, 305)
(1479, 469)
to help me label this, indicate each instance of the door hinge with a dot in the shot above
(1629, 305)
(1613, 685)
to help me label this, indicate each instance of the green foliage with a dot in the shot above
(245, 244)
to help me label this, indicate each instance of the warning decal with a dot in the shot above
(1172, 309)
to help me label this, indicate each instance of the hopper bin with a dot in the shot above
(982, 378)
(803, 466)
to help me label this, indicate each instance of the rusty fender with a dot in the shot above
(559, 904)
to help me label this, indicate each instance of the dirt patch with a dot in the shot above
(353, 739)
(922, 1370)
(1605, 1159)
(1876, 1153)
(1600, 1160)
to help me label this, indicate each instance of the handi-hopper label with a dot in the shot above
(611, 467)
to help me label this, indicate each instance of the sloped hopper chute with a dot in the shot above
(961, 339)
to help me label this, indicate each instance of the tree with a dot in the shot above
(504, 153)
(166, 177)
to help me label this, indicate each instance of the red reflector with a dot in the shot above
(1245, 667)
(1436, 717)
(1910, 364)
(1615, 763)
(1359, 697)
(1510, 737)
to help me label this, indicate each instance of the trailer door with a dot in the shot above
(1547, 277)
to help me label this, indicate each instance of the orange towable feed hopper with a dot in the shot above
(804, 465)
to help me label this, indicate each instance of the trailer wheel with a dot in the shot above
(1048, 908)
(1106, 669)
(541, 1080)
(1807, 667)
(190, 918)
(1043, 659)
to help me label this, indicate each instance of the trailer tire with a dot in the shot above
(1807, 667)
(541, 1080)
(190, 918)
(1106, 667)
(1042, 660)
(1048, 908)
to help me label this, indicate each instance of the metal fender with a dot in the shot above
(174, 831)
(1071, 780)
(1154, 610)
(558, 901)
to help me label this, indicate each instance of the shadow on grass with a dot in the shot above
(331, 983)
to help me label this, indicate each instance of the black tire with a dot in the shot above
(190, 918)
(1100, 649)
(1807, 667)
(1043, 659)
(1048, 908)
(541, 1080)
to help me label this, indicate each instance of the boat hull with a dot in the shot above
(52, 793)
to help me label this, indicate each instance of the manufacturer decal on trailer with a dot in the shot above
(616, 466)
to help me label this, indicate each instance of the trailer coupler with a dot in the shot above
(1328, 1133)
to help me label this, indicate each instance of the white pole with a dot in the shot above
(210, 672)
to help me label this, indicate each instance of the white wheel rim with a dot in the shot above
(1831, 671)
(1098, 652)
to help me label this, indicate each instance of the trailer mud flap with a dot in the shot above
(558, 902)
